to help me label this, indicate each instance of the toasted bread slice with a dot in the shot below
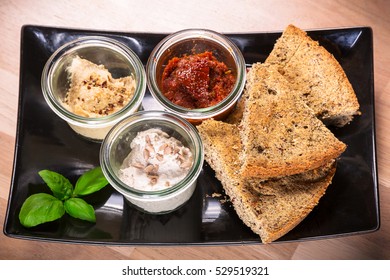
(316, 75)
(270, 208)
(222, 145)
(281, 136)
(236, 114)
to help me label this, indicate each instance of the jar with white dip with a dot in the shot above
(102, 80)
(153, 158)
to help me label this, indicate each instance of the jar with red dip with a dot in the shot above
(196, 74)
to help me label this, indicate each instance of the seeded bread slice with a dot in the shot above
(270, 208)
(222, 145)
(281, 136)
(236, 115)
(316, 75)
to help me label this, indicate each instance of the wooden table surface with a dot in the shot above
(223, 16)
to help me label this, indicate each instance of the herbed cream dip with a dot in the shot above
(94, 92)
(156, 161)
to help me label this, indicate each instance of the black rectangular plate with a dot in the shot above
(44, 141)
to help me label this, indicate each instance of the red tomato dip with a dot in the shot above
(197, 81)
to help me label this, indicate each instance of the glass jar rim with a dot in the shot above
(182, 35)
(91, 41)
(150, 116)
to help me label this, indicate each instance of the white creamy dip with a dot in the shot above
(156, 161)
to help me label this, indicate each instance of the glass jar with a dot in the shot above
(189, 42)
(116, 148)
(116, 57)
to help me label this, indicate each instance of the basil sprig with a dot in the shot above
(42, 207)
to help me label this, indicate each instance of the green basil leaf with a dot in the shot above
(90, 182)
(61, 187)
(40, 208)
(78, 208)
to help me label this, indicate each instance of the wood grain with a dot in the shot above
(223, 16)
